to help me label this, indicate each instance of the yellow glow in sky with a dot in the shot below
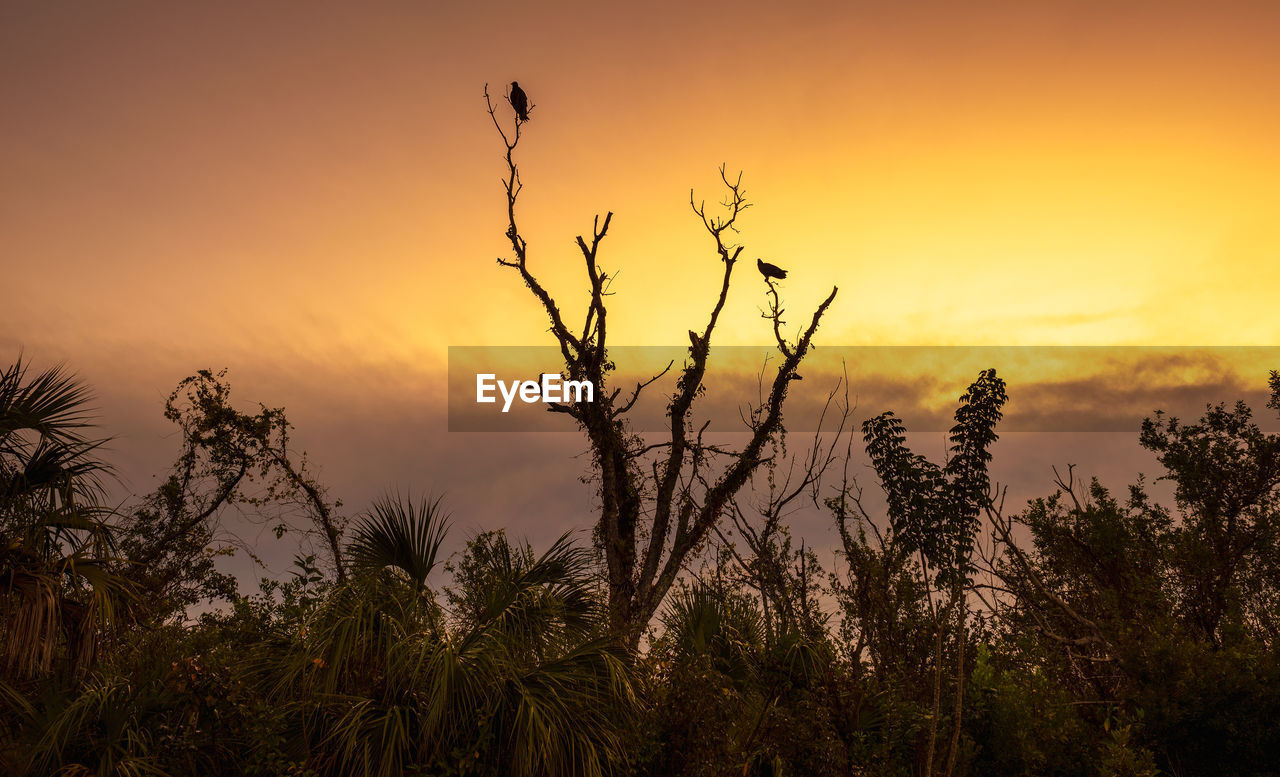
(320, 182)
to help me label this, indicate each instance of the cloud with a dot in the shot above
(1052, 388)
(369, 428)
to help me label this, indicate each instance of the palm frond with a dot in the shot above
(102, 718)
(401, 534)
(518, 685)
(722, 627)
(52, 404)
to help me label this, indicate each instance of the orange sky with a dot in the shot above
(322, 178)
(312, 189)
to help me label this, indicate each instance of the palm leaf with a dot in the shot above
(52, 404)
(400, 534)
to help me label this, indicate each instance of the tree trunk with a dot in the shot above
(959, 707)
(937, 701)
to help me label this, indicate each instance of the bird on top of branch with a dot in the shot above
(770, 270)
(519, 101)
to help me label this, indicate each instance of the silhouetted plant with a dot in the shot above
(1109, 635)
(228, 457)
(517, 686)
(659, 503)
(934, 512)
(59, 590)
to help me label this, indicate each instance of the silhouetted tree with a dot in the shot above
(1162, 622)
(1227, 476)
(59, 588)
(658, 502)
(934, 512)
(787, 580)
(171, 537)
(515, 683)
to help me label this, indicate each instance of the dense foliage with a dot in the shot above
(1089, 633)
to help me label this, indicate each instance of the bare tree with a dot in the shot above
(786, 579)
(658, 502)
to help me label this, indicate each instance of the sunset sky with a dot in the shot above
(309, 194)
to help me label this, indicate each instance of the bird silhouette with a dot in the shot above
(770, 270)
(519, 101)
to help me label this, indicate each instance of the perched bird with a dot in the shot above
(770, 270)
(519, 101)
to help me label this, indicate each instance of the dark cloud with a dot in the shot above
(1052, 389)
(369, 429)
